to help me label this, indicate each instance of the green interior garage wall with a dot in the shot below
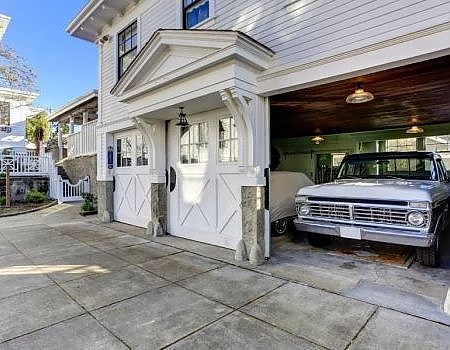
(299, 154)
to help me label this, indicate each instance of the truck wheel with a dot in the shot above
(429, 256)
(280, 227)
(317, 240)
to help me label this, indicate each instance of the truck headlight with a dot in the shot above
(304, 209)
(416, 218)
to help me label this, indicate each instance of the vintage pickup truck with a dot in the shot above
(394, 197)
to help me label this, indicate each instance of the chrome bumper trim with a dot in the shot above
(395, 236)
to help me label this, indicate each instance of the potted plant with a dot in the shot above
(88, 207)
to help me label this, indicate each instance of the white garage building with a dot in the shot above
(223, 61)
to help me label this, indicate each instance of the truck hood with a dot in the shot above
(382, 189)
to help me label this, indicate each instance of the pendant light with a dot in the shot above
(182, 120)
(359, 96)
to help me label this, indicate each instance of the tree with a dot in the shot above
(14, 72)
(38, 129)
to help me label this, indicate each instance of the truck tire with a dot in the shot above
(317, 240)
(429, 256)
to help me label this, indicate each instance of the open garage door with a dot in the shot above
(312, 129)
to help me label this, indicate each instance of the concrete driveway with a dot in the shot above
(67, 282)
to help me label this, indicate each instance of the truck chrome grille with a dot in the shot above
(380, 215)
(330, 210)
(368, 214)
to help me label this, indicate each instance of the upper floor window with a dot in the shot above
(195, 12)
(127, 47)
(4, 113)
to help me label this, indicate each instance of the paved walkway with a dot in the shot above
(67, 282)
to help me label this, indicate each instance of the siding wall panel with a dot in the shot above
(300, 32)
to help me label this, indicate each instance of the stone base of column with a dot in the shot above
(252, 242)
(105, 201)
(158, 225)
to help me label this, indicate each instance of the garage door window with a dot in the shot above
(402, 145)
(194, 144)
(228, 140)
(123, 152)
(141, 151)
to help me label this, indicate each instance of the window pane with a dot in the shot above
(228, 140)
(196, 13)
(194, 144)
(141, 151)
(124, 152)
(127, 47)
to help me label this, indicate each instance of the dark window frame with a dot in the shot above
(189, 5)
(122, 39)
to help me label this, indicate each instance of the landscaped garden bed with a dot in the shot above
(20, 208)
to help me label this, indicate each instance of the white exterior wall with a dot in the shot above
(19, 111)
(303, 34)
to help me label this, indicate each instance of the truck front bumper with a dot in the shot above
(396, 236)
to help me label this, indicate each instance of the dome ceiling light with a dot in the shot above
(317, 139)
(414, 130)
(359, 96)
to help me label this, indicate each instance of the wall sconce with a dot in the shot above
(182, 121)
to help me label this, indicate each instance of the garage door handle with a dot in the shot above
(172, 179)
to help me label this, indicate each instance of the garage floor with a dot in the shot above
(68, 282)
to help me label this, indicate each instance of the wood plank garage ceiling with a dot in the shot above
(420, 91)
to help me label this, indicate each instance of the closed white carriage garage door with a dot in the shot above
(132, 188)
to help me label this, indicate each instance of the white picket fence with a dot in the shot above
(64, 191)
(82, 142)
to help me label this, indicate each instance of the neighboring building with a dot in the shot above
(75, 151)
(15, 108)
(248, 74)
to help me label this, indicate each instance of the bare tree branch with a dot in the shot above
(14, 72)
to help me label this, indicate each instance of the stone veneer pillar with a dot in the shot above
(252, 244)
(158, 225)
(105, 201)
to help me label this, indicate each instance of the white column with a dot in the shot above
(60, 142)
(85, 117)
(71, 124)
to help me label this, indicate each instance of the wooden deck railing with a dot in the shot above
(82, 142)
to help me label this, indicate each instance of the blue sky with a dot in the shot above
(66, 67)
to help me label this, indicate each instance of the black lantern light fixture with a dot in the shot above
(182, 120)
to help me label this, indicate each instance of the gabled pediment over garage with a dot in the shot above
(174, 57)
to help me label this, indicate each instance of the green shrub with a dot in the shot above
(87, 206)
(2, 201)
(34, 196)
(88, 197)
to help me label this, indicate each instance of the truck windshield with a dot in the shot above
(417, 168)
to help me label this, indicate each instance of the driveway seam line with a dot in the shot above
(362, 328)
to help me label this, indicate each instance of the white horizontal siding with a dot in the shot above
(151, 15)
(300, 32)
(309, 30)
